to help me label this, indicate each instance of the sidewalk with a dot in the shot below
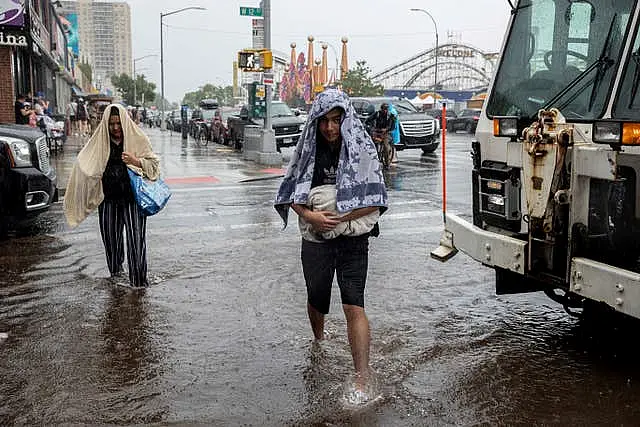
(182, 162)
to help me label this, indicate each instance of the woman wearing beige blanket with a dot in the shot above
(100, 180)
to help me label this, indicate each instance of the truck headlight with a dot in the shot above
(505, 126)
(19, 150)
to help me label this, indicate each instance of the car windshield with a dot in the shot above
(228, 113)
(280, 109)
(208, 114)
(560, 54)
(404, 106)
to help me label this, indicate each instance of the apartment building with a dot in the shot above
(104, 37)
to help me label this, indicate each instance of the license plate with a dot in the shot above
(287, 140)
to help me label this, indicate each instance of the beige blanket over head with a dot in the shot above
(84, 189)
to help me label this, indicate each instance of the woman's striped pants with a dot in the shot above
(114, 217)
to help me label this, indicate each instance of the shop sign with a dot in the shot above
(59, 45)
(39, 32)
(13, 38)
(12, 13)
(456, 52)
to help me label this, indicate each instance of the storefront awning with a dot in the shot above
(76, 91)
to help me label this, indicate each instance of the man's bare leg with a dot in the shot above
(358, 332)
(317, 322)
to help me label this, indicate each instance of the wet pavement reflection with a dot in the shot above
(221, 337)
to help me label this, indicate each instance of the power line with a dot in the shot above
(300, 35)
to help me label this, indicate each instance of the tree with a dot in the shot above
(224, 95)
(143, 89)
(357, 82)
(85, 68)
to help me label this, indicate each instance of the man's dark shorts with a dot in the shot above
(346, 256)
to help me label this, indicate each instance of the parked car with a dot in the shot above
(286, 125)
(436, 113)
(203, 117)
(28, 183)
(467, 120)
(417, 129)
(174, 121)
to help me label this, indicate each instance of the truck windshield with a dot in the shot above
(560, 54)
(627, 105)
(280, 109)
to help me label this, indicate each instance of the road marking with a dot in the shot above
(274, 171)
(192, 180)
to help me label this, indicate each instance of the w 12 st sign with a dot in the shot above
(250, 11)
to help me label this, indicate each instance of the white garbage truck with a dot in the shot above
(556, 158)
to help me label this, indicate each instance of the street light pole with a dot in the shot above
(335, 54)
(435, 82)
(266, 10)
(162, 15)
(135, 81)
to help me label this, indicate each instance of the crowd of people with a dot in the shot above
(28, 108)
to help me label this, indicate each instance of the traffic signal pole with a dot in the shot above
(266, 11)
(268, 154)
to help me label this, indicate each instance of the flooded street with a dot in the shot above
(221, 337)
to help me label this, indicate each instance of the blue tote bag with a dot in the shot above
(151, 196)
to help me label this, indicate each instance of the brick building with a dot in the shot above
(34, 57)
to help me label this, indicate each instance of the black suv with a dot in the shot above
(436, 113)
(28, 183)
(467, 120)
(417, 130)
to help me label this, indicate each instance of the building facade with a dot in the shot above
(34, 58)
(104, 37)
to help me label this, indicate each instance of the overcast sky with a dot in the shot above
(200, 46)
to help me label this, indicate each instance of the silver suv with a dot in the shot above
(417, 130)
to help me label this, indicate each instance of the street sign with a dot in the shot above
(257, 27)
(250, 11)
(267, 78)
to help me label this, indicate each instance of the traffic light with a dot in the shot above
(255, 60)
(247, 60)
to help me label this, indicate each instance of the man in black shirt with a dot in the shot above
(335, 151)
(22, 111)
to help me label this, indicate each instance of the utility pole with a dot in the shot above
(163, 124)
(266, 11)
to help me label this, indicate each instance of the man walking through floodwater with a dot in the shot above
(335, 161)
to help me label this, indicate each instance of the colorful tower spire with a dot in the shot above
(310, 61)
(325, 66)
(344, 65)
(293, 54)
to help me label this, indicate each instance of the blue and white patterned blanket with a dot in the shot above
(359, 179)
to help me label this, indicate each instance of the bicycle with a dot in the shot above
(385, 151)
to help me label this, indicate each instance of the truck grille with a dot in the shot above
(43, 156)
(418, 128)
(286, 130)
